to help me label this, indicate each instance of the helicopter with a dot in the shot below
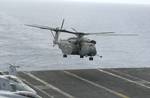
(78, 45)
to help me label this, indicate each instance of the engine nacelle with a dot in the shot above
(88, 49)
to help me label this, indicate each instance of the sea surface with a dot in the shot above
(32, 48)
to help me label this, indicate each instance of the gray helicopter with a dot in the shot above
(78, 45)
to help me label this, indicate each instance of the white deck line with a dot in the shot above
(50, 86)
(123, 78)
(134, 77)
(50, 96)
(97, 85)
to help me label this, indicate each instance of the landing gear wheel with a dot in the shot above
(81, 56)
(64, 56)
(91, 58)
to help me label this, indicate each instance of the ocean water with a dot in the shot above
(32, 49)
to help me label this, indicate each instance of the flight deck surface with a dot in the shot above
(90, 83)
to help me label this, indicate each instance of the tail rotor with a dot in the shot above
(57, 33)
(62, 23)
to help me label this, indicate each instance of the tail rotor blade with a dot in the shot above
(74, 29)
(52, 34)
(62, 23)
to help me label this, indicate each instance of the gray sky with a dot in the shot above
(107, 1)
(118, 1)
(97, 1)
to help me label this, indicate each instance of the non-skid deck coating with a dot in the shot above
(90, 83)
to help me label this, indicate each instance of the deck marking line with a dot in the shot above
(123, 78)
(50, 86)
(97, 85)
(50, 96)
(134, 77)
(42, 87)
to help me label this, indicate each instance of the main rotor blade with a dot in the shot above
(80, 33)
(110, 34)
(100, 33)
(41, 27)
(65, 31)
(50, 28)
(118, 34)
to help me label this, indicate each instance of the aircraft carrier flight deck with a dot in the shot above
(90, 83)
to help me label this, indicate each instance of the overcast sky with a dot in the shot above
(108, 1)
(97, 1)
(118, 1)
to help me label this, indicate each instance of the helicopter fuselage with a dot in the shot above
(78, 45)
(75, 46)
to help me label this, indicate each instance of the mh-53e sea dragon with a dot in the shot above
(78, 45)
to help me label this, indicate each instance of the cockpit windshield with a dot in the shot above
(13, 79)
(16, 84)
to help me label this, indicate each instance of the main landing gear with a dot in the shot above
(81, 56)
(91, 58)
(64, 56)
